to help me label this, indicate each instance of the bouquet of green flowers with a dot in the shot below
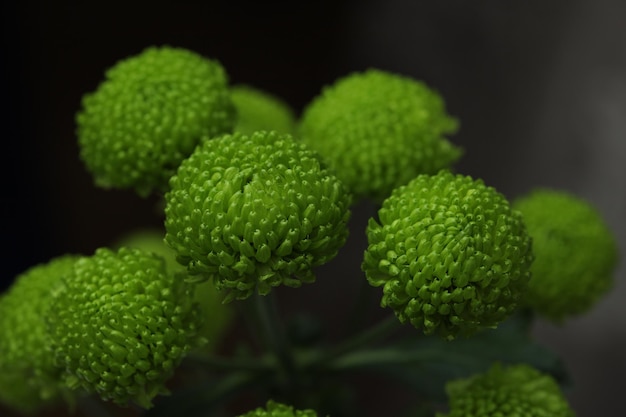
(255, 198)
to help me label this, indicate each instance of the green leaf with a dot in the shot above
(202, 399)
(427, 363)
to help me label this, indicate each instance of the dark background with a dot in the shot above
(538, 86)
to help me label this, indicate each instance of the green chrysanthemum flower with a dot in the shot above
(519, 391)
(219, 315)
(149, 114)
(274, 409)
(151, 240)
(379, 130)
(29, 378)
(255, 212)
(258, 110)
(451, 255)
(120, 325)
(576, 253)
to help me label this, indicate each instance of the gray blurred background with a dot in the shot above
(540, 89)
(538, 86)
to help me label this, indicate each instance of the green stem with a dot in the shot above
(393, 356)
(273, 332)
(207, 396)
(221, 363)
(232, 384)
(363, 299)
(374, 334)
(361, 305)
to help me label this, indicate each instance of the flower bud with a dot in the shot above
(255, 212)
(378, 131)
(518, 390)
(274, 409)
(29, 378)
(149, 114)
(576, 253)
(258, 110)
(450, 254)
(218, 316)
(120, 325)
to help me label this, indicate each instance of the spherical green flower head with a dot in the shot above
(29, 378)
(451, 255)
(149, 114)
(120, 325)
(518, 390)
(151, 240)
(274, 409)
(218, 315)
(576, 253)
(255, 212)
(379, 130)
(258, 110)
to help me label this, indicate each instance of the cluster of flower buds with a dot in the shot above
(255, 199)
(114, 323)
